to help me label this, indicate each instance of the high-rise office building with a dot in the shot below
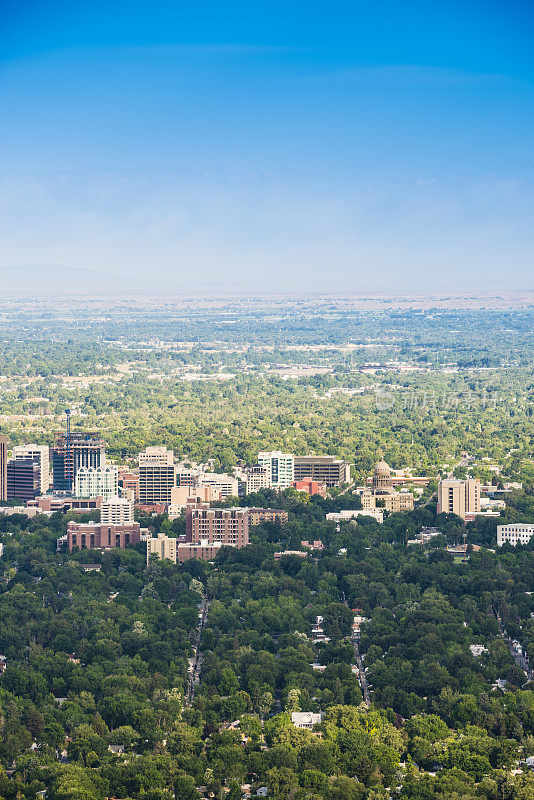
(39, 453)
(459, 497)
(97, 482)
(23, 479)
(157, 476)
(324, 469)
(280, 468)
(72, 451)
(3, 467)
(156, 455)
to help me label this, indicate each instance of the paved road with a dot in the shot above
(359, 663)
(193, 675)
(363, 679)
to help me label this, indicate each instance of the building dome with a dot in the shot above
(382, 469)
(382, 475)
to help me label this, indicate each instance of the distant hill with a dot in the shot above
(56, 279)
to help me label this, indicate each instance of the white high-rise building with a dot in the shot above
(97, 482)
(280, 468)
(116, 511)
(37, 452)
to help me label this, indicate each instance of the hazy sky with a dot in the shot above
(281, 145)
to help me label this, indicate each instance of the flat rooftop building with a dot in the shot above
(96, 535)
(514, 533)
(23, 479)
(39, 453)
(324, 469)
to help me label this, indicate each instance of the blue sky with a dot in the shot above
(270, 145)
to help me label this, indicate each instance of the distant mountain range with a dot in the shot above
(56, 279)
(59, 280)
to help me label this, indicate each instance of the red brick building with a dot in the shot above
(129, 483)
(310, 486)
(93, 535)
(227, 526)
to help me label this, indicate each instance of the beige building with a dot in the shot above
(459, 497)
(182, 495)
(350, 514)
(226, 485)
(382, 494)
(252, 479)
(163, 547)
(157, 455)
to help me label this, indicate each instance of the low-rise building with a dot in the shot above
(49, 503)
(424, 536)
(225, 485)
(514, 533)
(95, 535)
(182, 495)
(316, 545)
(162, 546)
(299, 553)
(178, 551)
(309, 486)
(350, 514)
(306, 719)
(258, 515)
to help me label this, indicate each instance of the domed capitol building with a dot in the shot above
(382, 493)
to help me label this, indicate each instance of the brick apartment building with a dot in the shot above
(227, 526)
